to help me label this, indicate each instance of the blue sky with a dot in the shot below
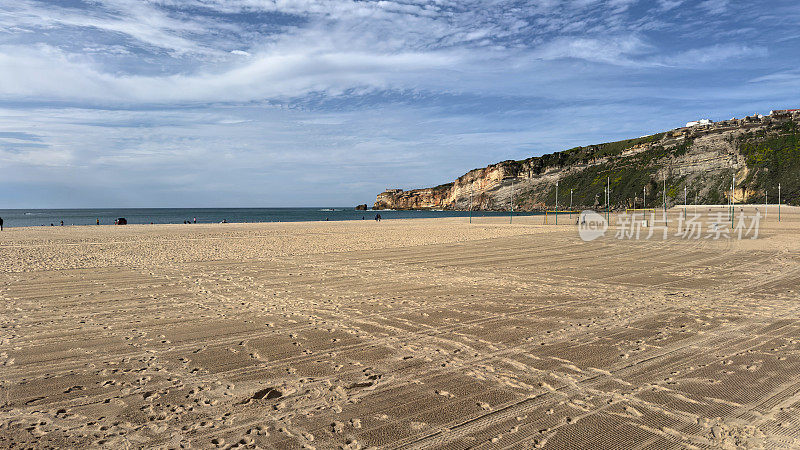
(191, 103)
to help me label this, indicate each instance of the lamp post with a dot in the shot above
(665, 198)
(684, 204)
(556, 202)
(644, 197)
(511, 217)
(733, 198)
(470, 203)
(570, 204)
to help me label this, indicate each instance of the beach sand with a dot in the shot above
(424, 333)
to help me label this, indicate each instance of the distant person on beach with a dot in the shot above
(194, 220)
(98, 221)
(377, 217)
(1, 224)
(62, 223)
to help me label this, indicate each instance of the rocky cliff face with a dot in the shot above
(428, 198)
(761, 150)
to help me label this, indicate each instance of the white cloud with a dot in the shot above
(715, 6)
(698, 57)
(277, 73)
(339, 46)
(134, 19)
(619, 50)
(667, 5)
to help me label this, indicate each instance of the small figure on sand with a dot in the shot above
(377, 217)
(62, 223)
(194, 220)
(1, 224)
(98, 221)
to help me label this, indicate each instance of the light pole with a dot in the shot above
(511, 217)
(470, 203)
(570, 204)
(644, 197)
(556, 202)
(733, 198)
(665, 200)
(684, 204)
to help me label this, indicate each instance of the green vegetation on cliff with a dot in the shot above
(771, 157)
(772, 160)
(626, 176)
(579, 155)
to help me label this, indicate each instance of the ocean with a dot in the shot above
(45, 217)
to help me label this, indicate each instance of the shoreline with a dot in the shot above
(367, 217)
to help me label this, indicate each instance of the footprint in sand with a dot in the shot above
(259, 430)
(445, 394)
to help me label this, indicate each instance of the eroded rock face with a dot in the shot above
(429, 198)
(361, 207)
(700, 158)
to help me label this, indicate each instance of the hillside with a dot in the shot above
(761, 150)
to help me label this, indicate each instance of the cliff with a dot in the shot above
(761, 150)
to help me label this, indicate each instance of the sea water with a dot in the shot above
(107, 216)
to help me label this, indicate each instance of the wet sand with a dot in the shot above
(405, 333)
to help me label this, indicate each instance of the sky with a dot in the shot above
(279, 103)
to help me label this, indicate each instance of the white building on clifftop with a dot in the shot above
(699, 122)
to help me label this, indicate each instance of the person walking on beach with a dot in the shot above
(1, 224)
(98, 221)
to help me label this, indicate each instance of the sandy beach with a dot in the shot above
(428, 333)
